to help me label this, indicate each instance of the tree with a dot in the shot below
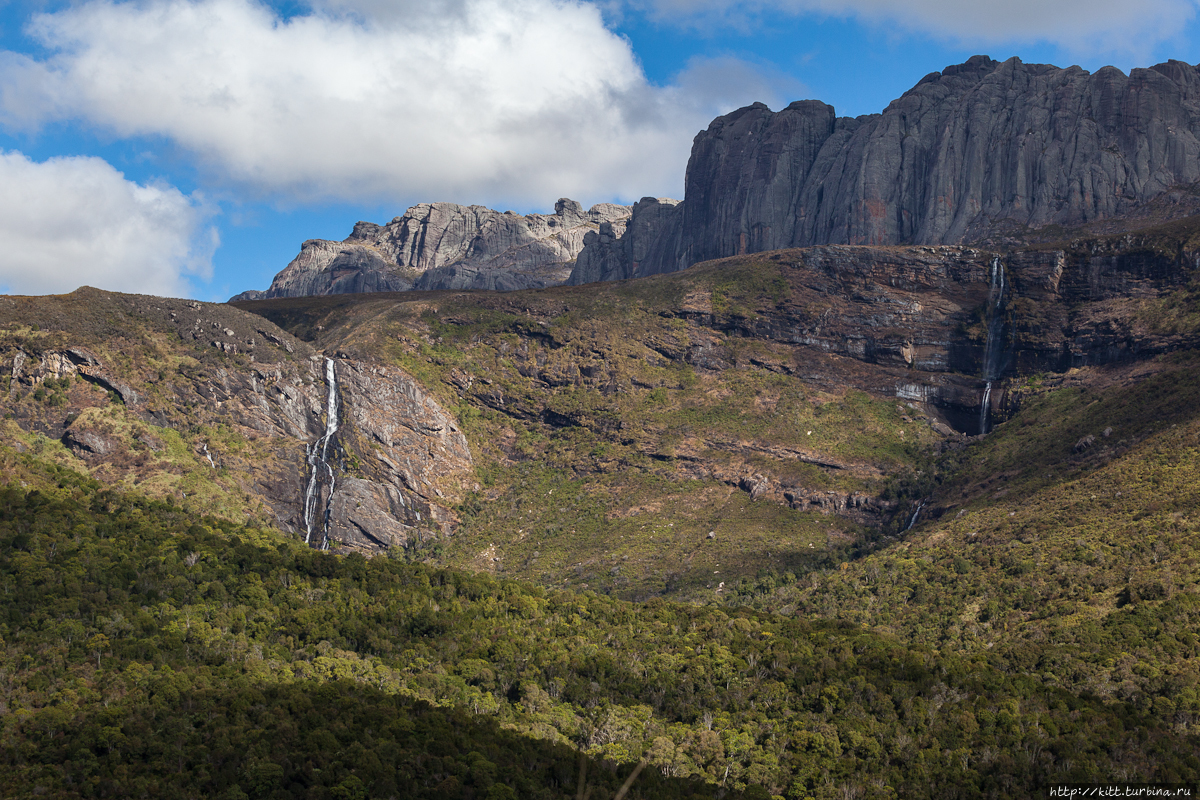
(97, 644)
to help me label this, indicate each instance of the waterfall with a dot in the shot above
(317, 456)
(993, 353)
(915, 515)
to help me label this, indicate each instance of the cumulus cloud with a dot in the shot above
(69, 221)
(510, 100)
(1111, 26)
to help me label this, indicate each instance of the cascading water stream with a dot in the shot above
(916, 515)
(993, 353)
(318, 462)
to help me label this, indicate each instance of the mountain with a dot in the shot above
(798, 430)
(843, 520)
(820, 381)
(993, 154)
(719, 521)
(446, 246)
(986, 153)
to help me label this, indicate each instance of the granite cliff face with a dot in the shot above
(983, 152)
(634, 248)
(447, 246)
(325, 267)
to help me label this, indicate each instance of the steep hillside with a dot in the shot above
(983, 152)
(776, 430)
(764, 413)
(1063, 544)
(624, 446)
(227, 414)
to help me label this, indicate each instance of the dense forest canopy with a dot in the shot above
(149, 653)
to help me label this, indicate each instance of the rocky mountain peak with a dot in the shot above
(446, 246)
(566, 207)
(983, 152)
(364, 232)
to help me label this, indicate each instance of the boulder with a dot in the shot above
(85, 442)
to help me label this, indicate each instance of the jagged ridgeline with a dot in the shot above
(987, 153)
(447, 246)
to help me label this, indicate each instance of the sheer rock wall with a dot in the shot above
(982, 152)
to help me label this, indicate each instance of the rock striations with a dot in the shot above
(447, 246)
(982, 152)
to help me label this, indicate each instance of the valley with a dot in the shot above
(769, 465)
(868, 470)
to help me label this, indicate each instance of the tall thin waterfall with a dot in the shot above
(916, 514)
(318, 463)
(993, 354)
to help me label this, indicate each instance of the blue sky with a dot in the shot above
(188, 147)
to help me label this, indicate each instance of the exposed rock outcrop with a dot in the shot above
(325, 267)
(631, 248)
(371, 516)
(234, 417)
(386, 464)
(89, 443)
(980, 152)
(447, 246)
(412, 442)
(920, 314)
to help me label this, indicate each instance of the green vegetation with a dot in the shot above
(149, 653)
(1065, 547)
(640, 441)
(630, 539)
(611, 435)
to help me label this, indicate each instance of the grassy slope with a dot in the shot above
(1069, 558)
(1074, 564)
(605, 457)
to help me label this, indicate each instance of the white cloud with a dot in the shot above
(1084, 26)
(71, 221)
(726, 82)
(516, 101)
